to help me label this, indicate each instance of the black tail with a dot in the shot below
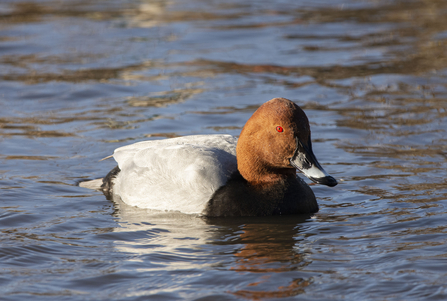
(107, 182)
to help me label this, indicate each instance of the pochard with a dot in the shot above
(219, 175)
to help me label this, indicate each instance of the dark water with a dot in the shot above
(80, 78)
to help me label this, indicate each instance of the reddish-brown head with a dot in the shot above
(277, 135)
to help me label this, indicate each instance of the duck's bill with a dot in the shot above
(304, 160)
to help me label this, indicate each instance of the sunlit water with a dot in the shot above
(81, 78)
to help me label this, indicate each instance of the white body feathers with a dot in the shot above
(178, 174)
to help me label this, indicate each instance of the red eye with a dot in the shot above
(279, 129)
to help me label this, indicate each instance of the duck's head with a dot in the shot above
(275, 142)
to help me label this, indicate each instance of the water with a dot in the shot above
(79, 79)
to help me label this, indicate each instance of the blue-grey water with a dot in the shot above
(80, 78)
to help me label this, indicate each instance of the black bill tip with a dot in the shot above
(328, 181)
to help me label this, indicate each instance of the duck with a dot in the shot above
(221, 175)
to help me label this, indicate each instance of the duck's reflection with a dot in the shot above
(270, 248)
(267, 248)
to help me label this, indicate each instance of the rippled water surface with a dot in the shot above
(80, 78)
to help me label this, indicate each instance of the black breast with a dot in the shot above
(238, 198)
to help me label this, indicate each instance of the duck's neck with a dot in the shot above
(265, 177)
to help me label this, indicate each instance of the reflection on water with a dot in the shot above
(79, 79)
(248, 245)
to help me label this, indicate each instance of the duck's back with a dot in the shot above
(175, 174)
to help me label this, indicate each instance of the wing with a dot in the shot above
(175, 174)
